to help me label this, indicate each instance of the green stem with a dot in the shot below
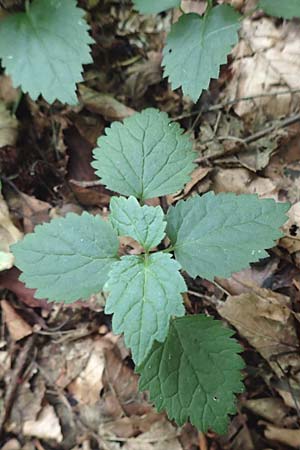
(27, 6)
(169, 249)
(209, 5)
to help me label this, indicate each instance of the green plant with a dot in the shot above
(45, 47)
(190, 364)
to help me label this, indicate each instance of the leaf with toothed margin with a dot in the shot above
(145, 291)
(69, 258)
(145, 224)
(216, 235)
(44, 48)
(197, 46)
(146, 156)
(195, 373)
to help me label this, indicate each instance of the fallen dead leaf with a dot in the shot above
(8, 127)
(104, 104)
(16, 325)
(143, 75)
(270, 408)
(46, 426)
(266, 62)
(87, 386)
(161, 436)
(264, 318)
(196, 176)
(9, 234)
(242, 181)
(292, 230)
(283, 435)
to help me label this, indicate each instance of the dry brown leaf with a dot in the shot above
(87, 386)
(246, 279)
(264, 318)
(292, 230)
(104, 104)
(242, 181)
(46, 426)
(8, 127)
(196, 176)
(8, 93)
(9, 234)
(12, 444)
(161, 436)
(266, 61)
(143, 75)
(16, 325)
(270, 408)
(283, 435)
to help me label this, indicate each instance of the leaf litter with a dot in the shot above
(65, 380)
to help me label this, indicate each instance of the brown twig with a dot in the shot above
(14, 383)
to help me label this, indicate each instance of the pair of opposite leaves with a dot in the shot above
(145, 157)
(44, 48)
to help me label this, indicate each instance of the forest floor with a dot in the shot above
(66, 382)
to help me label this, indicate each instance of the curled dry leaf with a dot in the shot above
(8, 127)
(87, 386)
(104, 104)
(264, 318)
(283, 435)
(292, 230)
(17, 327)
(266, 61)
(9, 234)
(46, 426)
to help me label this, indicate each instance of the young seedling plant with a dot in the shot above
(189, 363)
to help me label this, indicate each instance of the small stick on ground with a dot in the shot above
(13, 386)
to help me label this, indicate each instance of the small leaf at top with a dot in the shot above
(145, 291)
(44, 48)
(197, 46)
(216, 235)
(195, 373)
(147, 156)
(145, 224)
(69, 258)
(280, 8)
(155, 6)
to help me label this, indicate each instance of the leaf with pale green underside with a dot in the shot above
(216, 235)
(195, 373)
(145, 224)
(155, 6)
(146, 156)
(144, 293)
(197, 46)
(280, 8)
(43, 49)
(69, 258)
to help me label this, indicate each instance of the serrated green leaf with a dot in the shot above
(147, 156)
(195, 373)
(69, 258)
(145, 291)
(155, 6)
(44, 49)
(197, 46)
(145, 224)
(280, 8)
(215, 235)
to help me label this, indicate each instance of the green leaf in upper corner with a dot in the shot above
(195, 373)
(146, 156)
(69, 258)
(216, 235)
(145, 291)
(280, 8)
(44, 48)
(197, 46)
(155, 6)
(145, 224)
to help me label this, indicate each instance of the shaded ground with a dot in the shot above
(65, 380)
